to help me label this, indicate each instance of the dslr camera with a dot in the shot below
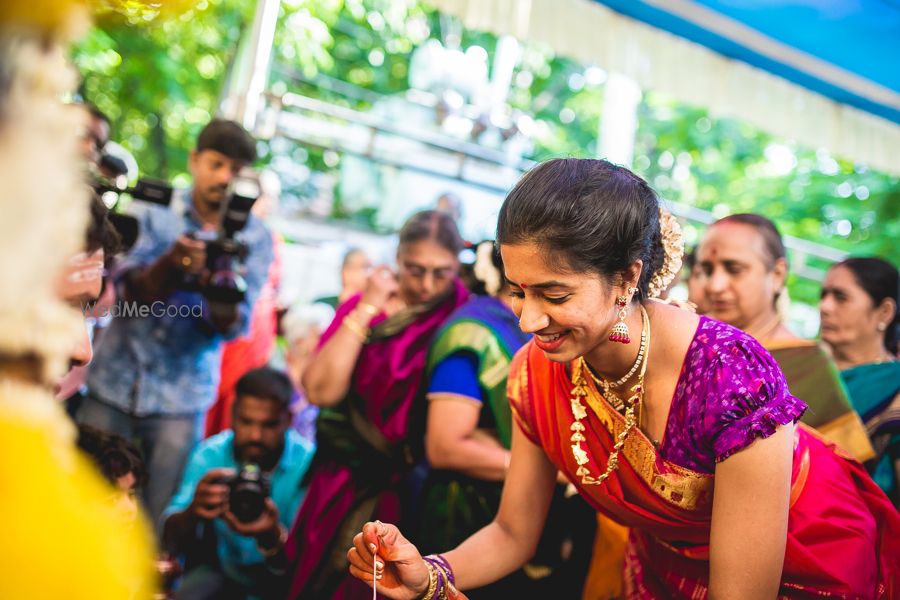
(225, 254)
(248, 490)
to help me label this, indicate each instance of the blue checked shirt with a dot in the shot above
(167, 362)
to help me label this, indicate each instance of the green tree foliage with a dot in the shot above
(159, 77)
(726, 167)
(347, 52)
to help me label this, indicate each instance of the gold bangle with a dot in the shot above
(442, 595)
(359, 316)
(361, 332)
(369, 309)
(432, 582)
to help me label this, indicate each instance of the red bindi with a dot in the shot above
(523, 285)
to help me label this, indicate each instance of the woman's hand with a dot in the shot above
(381, 286)
(401, 570)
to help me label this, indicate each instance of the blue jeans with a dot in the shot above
(164, 441)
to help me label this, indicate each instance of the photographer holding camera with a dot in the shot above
(205, 258)
(240, 492)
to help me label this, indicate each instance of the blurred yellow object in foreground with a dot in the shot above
(55, 16)
(51, 16)
(62, 538)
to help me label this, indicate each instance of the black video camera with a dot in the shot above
(248, 492)
(145, 190)
(225, 254)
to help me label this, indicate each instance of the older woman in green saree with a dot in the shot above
(743, 268)
(859, 324)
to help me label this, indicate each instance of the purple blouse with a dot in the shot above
(729, 393)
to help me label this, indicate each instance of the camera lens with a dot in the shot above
(249, 491)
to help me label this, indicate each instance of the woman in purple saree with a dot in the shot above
(366, 377)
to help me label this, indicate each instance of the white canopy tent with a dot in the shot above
(658, 60)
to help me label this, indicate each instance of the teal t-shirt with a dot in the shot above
(237, 552)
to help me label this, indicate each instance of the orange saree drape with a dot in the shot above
(843, 534)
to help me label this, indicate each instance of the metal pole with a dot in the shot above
(251, 69)
(618, 123)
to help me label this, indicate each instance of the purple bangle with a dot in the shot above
(439, 558)
(438, 576)
(443, 572)
(439, 590)
(438, 573)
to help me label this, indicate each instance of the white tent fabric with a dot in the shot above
(657, 60)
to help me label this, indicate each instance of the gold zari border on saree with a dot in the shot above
(517, 393)
(681, 487)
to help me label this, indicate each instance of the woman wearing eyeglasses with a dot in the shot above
(366, 377)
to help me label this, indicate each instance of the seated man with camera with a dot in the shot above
(239, 495)
(188, 284)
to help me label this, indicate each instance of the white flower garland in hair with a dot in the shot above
(484, 268)
(45, 199)
(672, 240)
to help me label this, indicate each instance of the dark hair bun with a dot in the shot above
(591, 215)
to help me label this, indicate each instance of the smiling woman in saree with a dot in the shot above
(676, 426)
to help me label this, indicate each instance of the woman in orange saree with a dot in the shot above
(688, 437)
(834, 546)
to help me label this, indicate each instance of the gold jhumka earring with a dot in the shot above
(620, 331)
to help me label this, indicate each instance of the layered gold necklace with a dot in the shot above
(627, 406)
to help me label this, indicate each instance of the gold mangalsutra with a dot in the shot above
(579, 412)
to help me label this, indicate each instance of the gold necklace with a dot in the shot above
(579, 412)
(607, 386)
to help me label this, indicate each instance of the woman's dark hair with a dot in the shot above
(114, 455)
(432, 225)
(267, 383)
(101, 233)
(766, 229)
(591, 216)
(880, 280)
(689, 260)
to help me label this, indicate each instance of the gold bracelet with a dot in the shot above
(442, 595)
(359, 316)
(361, 332)
(432, 582)
(369, 309)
